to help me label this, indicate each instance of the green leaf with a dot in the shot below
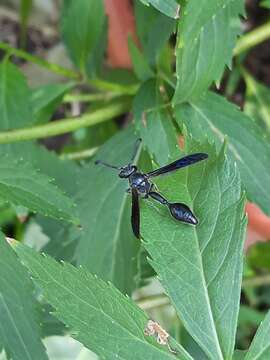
(167, 7)
(140, 65)
(260, 346)
(201, 267)
(153, 122)
(46, 99)
(148, 23)
(107, 246)
(257, 104)
(207, 35)
(215, 118)
(15, 108)
(100, 317)
(19, 330)
(21, 184)
(265, 3)
(81, 27)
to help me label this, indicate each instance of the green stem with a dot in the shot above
(66, 125)
(69, 98)
(79, 155)
(256, 281)
(252, 38)
(57, 69)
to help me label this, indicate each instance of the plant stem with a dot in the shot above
(69, 98)
(252, 38)
(153, 301)
(57, 69)
(66, 125)
(79, 155)
(256, 281)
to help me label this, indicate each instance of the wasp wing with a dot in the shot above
(178, 164)
(135, 213)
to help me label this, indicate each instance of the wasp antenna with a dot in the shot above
(97, 162)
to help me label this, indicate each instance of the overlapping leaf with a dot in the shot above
(201, 267)
(19, 329)
(107, 246)
(206, 38)
(101, 318)
(21, 184)
(213, 117)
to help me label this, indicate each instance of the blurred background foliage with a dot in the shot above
(38, 28)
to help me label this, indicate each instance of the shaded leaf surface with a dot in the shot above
(213, 117)
(107, 246)
(260, 346)
(201, 267)
(20, 184)
(148, 23)
(15, 109)
(19, 330)
(101, 318)
(153, 123)
(207, 35)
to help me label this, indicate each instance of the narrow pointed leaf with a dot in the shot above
(260, 346)
(20, 184)
(19, 329)
(107, 246)
(81, 26)
(213, 117)
(100, 317)
(201, 267)
(140, 65)
(207, 35)
(15, 95)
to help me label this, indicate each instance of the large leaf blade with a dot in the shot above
(207, 35)
(108, 250)
(213, 117)
(200, 267)
(101, 318)
(19, 330)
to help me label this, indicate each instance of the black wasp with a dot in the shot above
(140, 184)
